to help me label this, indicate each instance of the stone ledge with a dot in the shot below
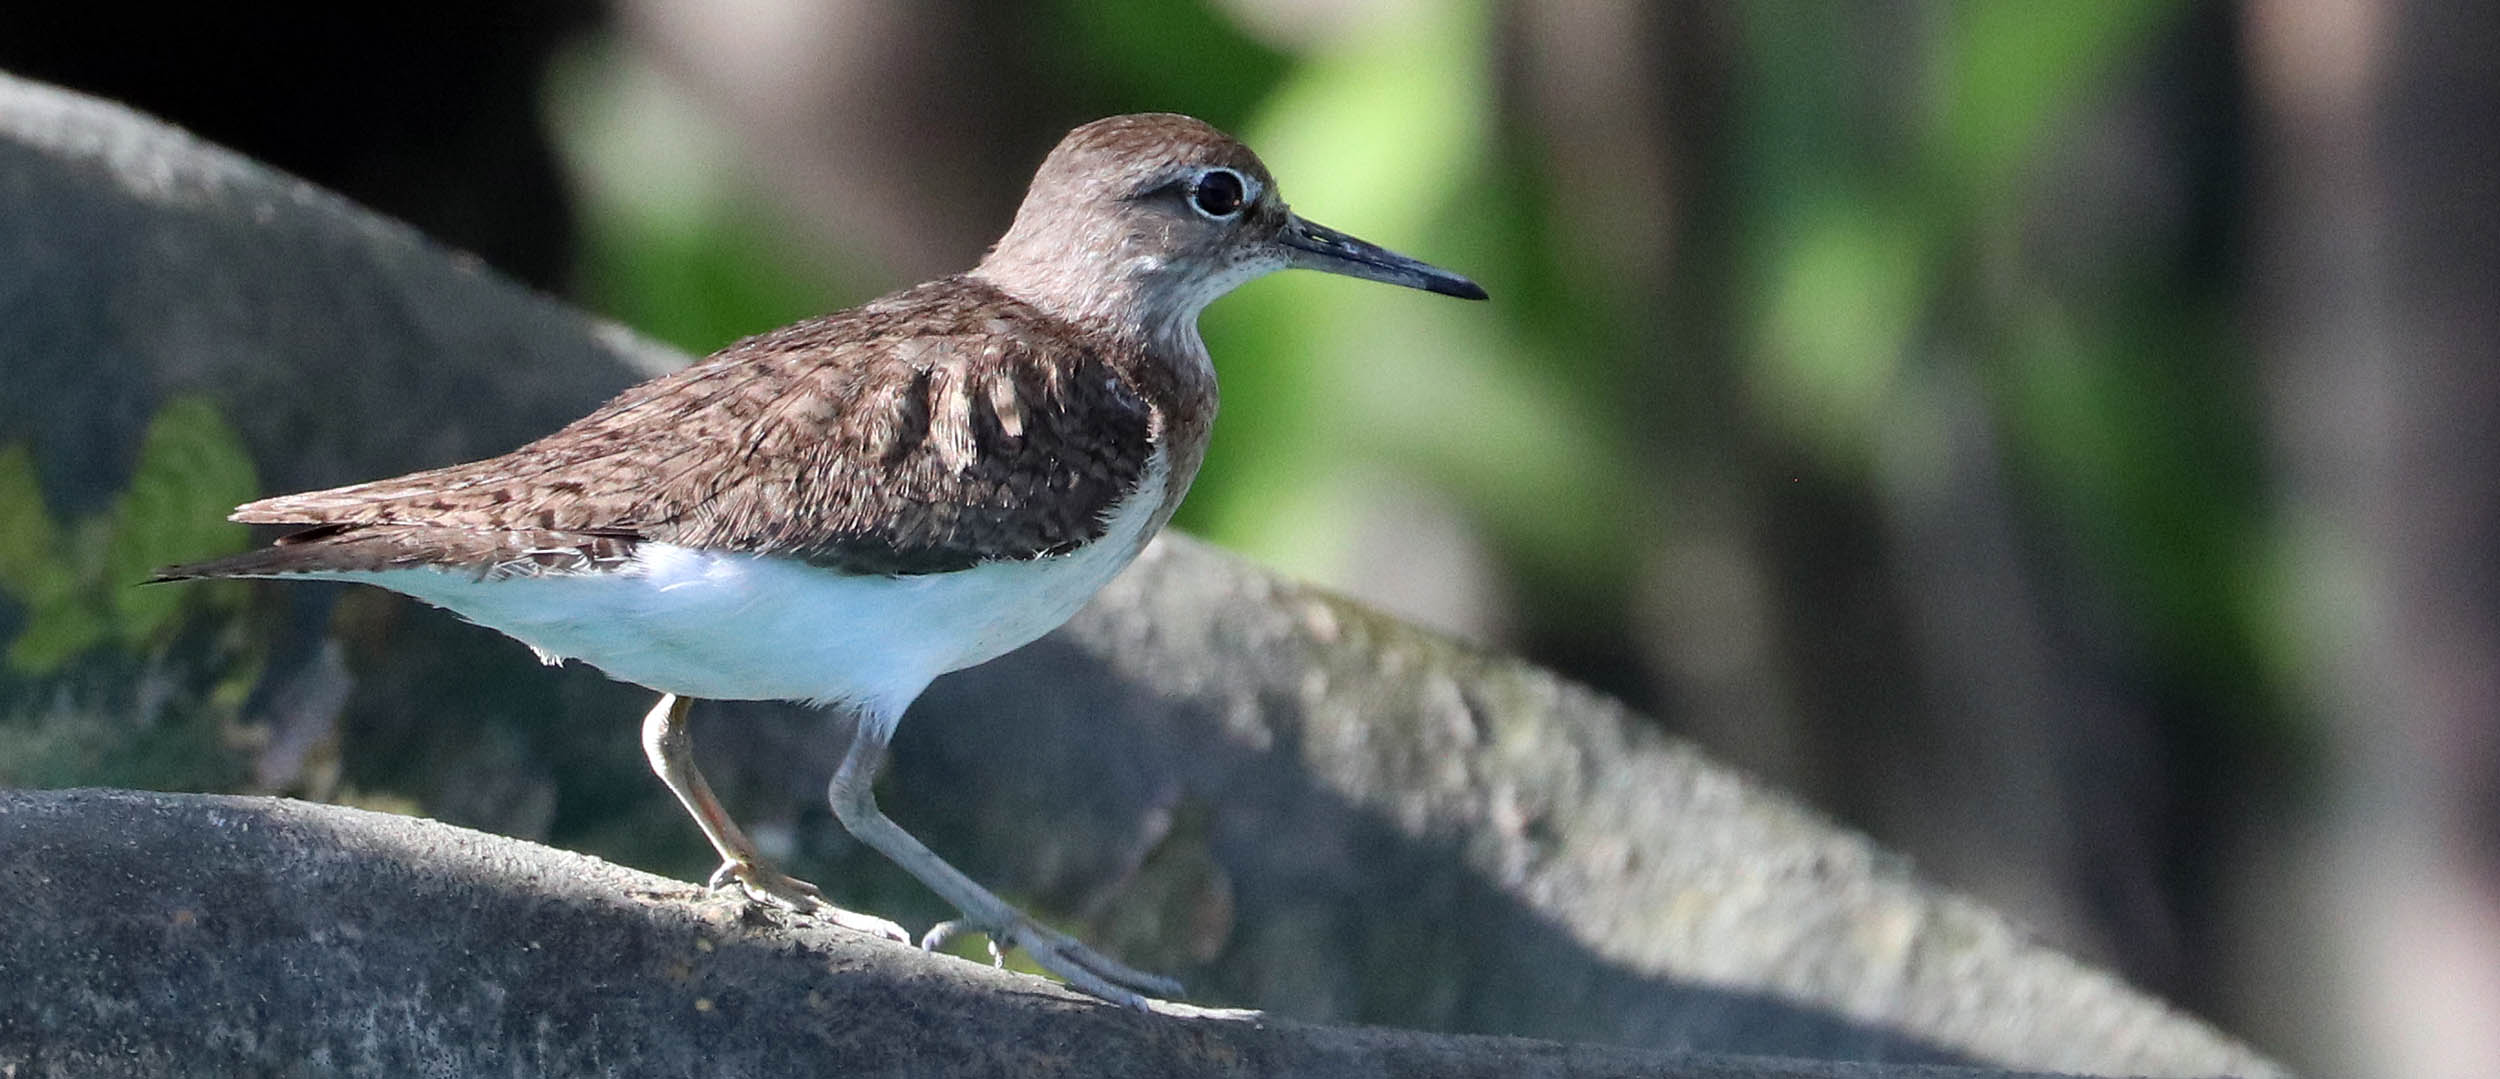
(159, 935)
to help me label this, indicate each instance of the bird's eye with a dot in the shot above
(1218, 193)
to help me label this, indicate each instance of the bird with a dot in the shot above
(841, 510)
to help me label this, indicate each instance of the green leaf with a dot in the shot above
(29, 558)
(61, 617)
(1844, 293)
(192, 470)
(1183, 55)
(2010, 72)
(61, 621)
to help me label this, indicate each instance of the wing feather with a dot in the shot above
(937, 429)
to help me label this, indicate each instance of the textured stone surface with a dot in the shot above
(157, 934)
(1289, 801)
(1416, 832)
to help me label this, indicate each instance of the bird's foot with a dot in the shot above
(942, 936)
(1081, 967)
(763, 884)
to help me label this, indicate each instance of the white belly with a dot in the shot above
(750, 627)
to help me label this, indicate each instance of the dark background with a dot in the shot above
(2056, 438)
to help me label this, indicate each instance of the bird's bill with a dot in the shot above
(1318, 247)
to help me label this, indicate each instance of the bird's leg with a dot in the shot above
(855, 802)
(669, 742)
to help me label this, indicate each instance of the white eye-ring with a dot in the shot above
(1220, 193)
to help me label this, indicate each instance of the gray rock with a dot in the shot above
(153, 934)
(1292, 802)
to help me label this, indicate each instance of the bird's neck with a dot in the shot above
(1106, 298)
(1130, 310)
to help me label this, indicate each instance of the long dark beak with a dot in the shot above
(1318, 247)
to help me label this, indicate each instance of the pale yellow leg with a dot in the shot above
(669, 743)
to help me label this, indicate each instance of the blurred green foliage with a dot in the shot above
(1186, 57)
(1390, 135)
(666, 246)
(1879, 249)
(89, 687)
(77, 581)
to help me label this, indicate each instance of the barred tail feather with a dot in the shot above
(371, 548)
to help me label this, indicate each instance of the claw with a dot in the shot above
(943, 934)
(764, 885)
(725, 878)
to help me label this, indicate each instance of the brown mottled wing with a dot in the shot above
(930, 431)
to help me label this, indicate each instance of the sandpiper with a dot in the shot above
(841, 510)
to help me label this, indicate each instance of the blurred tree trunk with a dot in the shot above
(2378, 304)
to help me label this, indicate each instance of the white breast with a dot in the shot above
(758, 627)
